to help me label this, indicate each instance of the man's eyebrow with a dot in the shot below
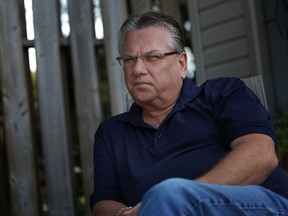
(127, 54)
(152, 51)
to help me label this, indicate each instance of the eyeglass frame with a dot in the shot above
(144, 56)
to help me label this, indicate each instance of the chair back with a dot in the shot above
(255, 83)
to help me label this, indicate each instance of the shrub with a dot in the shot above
(281, 128)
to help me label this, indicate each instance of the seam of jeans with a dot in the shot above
(245, 207)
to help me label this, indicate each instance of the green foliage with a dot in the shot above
(34, 85)
(281, 128)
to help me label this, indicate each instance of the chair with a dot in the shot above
(128, 101)
(255, 83)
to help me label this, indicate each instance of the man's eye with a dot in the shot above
(153, 57)
(128, 59)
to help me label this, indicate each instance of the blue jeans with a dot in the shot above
(181, 197)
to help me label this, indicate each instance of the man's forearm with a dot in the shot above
(107, 208)
(251, 161)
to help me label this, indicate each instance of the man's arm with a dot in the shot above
(111, 208)
(250, 161)
(107, 208)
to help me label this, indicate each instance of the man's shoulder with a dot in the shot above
(211, 87)
(222, 81)
(222, 84)
(122, 117)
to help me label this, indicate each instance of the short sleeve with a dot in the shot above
(237, 110)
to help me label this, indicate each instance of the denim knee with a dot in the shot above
(164, 194)
(169, 189)
(178, 196)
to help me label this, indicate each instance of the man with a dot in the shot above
(183, 149)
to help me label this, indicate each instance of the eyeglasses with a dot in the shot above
(147, 58)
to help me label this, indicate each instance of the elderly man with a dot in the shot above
(183, 149)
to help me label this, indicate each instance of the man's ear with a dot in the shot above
(183, 59)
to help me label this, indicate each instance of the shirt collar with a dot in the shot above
(189, 91)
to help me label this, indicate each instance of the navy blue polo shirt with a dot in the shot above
(130, 156)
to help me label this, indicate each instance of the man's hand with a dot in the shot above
(133, 211)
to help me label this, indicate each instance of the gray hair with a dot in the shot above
(153, 18)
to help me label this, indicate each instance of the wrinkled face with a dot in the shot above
(154, 81)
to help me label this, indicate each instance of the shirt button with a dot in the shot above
(159, 135)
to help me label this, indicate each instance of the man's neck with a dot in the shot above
(156, 116)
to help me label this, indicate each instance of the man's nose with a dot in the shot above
(138, 58)
(139, 66)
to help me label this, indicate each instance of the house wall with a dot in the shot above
(276, 19)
